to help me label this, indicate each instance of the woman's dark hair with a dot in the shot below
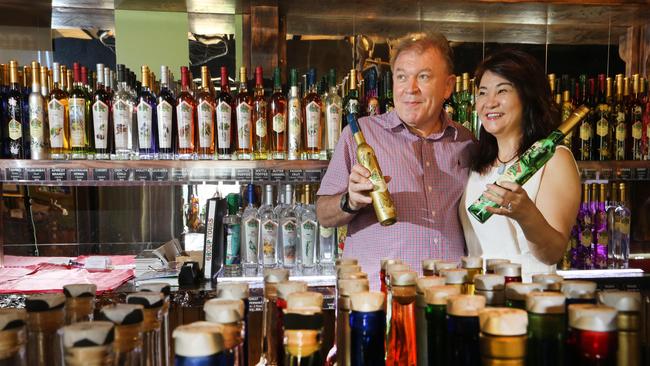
(540, 115)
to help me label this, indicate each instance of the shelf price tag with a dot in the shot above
(101, 174)
(79, 174)
(58, 174)
(641, 173)
(260, 175)
(313, 175)
(243, 174)
(223, 174)
(142, 175)
(36, 174)
(121, 174)
(624, 173)
(278, 175)
(14, 174)
(160, 175)
(200, 174)
(296, 175)
(179, 175)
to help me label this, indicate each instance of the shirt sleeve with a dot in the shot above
(336, 177)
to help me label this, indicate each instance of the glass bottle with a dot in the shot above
(303, 323)
(463, 112)
(566, 110)
(436, 320)
(371, 101)
(308, 233)
(492, 263)
(250, 234)
(186, 117)
(101, 117)
(503, 336)
(123, 107)
(351, 100)
(546, 328)
(583, 257)
(592, 339)
(238, 291)
(146, 114)
(442, 265)
(346, 289)
(621, 117)
(37, 121)
(284, 290)
(44, 317)
(15, 124)
(550, 282)
(229, 315)
(209, 336)
(429, 267)
(327, 244)
(88, 343)
(463, 329)
(628, 321)
(278, 115)
(260, 118)
(268, 252)
(635, 109)
(421, 285)
(294, 118)
(492, 287)
(578, 292)
(333, 115)
(77, 116)
(57, 113)
(474, 267)
(164, 289)
(90, 127)
(127, 319)
(151, 338)
(602, 138)
(79, 302)
(232, 232)
(166, 118)
(270, 315)
(244, 111)
(402, 345)
(510, 271)
(14, 337)
(205, 117)
(516, 293)
(456, 277)
(225, 119)
(288, 230)
(387, 103)
(600, 235)
(622, 224)
(367, 327)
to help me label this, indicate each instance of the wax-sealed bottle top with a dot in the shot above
(508, 269)
(545, 302)
(490, 264)
(551, 282)
(440, 265)
(489, 282)
(403, 278)
(12, 318)
(233, 291)
(517, 291)
(346, 261)
(347, 268)
(454, 276)
(367, 302)
(285, 288)
(305, 299)
(123, 314)
(198, 339)
(161, 287)
(423, 283)
(352, 275)
(438, 295)
(150, 300)
(576, 289)
(503, 321)
(44, 302)
(429, 264)
(621, 300)
(471, 262)
(594, 318)
(80, 290)
(465, 305)
(396, 267)
(88, 334)
(349, 287)
(223, 311)
(275, 275)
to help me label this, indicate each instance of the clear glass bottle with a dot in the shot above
(45, 316)
(164, 289)
(128, 319)
(79, 302)
(102, 119)
(232, 233)
(229, 315)
(250, 234)
(13, 334)
(294, 118)
(225, 118)
(151, 326)
(268, 242)
(77, 116)
(123, 111)
(503, 336)
(327, 245)
(622, 224)
(421, 285)
(260, 118)
(463, 329)
(402, 345)
(146, 113)
(546, 328)
(312, 129)
(367, 328)
(37, 121)
(333, 114)
(166, 118)
(186, 117)
(288, 230)
(278, 116)
(308, 233)
(612, 203)
(209, 336)
(88, 343)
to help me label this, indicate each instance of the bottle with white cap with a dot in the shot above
(152, 303)
(421, 285)
(552, 282)
(303, 326)
(164, 289)
(384, 263)
(503, 336)
(592, 338)
(402, 345)
(346, 288)
(127, 319)
(436, 298)
(510, 271)
(516, 293)
(79, 302)
(474, 267)
(445, 264)
(88, 343)
(546, 328)
(492, 263)
(238, 291)
(228, 314)
(578, 292)
(456, 277)
(199, 344)
(429, 267)
(628, 322)
(44, 317)
(13, 336)
(463, 329)
(492, 287)
(367, 329)
(270, 315)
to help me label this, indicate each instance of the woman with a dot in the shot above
(533, 224)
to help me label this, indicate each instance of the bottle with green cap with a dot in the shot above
(333, 114)
(436, 320)
(232, 233)
(294, 118)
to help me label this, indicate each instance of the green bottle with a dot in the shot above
(529, 162)
(232, 228)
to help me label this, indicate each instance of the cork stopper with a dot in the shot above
(349, 287)
(367, 302)
(517, 291)
(551, 281)
(223, 311)
(489, 282)
(490, 264)
(465, 305)
(88, 334)
(198, 339)
(503, 321)
(621, 300)
(12, 318)
(575, 289)
(348, 268)
(508, 269)
(150, 300)
(545, 302)
(161, 287)
(456, 276)
(352, 276)
(403, 278)
(286, 288)
(80, 290)
(122, 314)
(442, 265)
(275, 275)
(471, 262)
(233, 290)
(346, 261)
(44, 302)
(595, 318)
(438, 295)
(423, 283)
(429, 264)
(396, 267)
(306, 299)
(386, 261)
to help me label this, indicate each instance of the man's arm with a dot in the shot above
(328, 208)
(329, 212)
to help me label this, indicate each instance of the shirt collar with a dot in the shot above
(394, 123)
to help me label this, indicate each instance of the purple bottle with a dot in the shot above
(583, 258)
(600, 234)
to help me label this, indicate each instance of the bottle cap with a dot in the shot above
(517, 290)
(386, 261)
(44, 302)
(80, 290)
(346, 261)
(349, 287)
(423, 283)
(88, 334)
(367, 302)
(198, 339)
(149, 300)
(122, 314)
(489, 282)
(293, 77)
(11, 318)
(491, 263)
(396, 267)
(594, 318)
(233, 290)
(438, 295)
(163, 288)
(575, 289)
(429, 264)
(545, 302)
(503, 321)
(456, 276)
(508, 269)
(465, 305)
(621, 300)
(223, 311)
(286, 288)
(552, 282)
(275, 275)
(440, 265)
(347, 268)
(471, 262)
(403, 278)
(306, 299)
(352, 276)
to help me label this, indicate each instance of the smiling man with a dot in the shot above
(424, 155)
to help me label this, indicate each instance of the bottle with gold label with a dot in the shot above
(37, 122)
(566, 109)
(636, 120)
(381, 199)
(243, 110)
(333, 113)
(622, 222)
(619, 122)
(77, 116)
(15, 139)
(312, 130)
(602, 140)
(260, 119)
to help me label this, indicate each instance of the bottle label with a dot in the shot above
(313, 114)
(122, 119)
(279, 123)
(621, 132)
(56, 117)
(260, 127)
(353, 106)
(620, 117)
(308, 242)
(326, 232)
(165, 113)
(77, 117)
(586, 238)
(585, 131)
(622, 225)
(144, 125)
(294, 127)
(223, 125)
(36, 115)
(184, 114)
(333, 117)
(251, 232)
(232, 243)
(637, 130)
(15, 130)
(289, 241)
(269, 241)
(602, 127)
(243, 125)
(100, 124)
(206, 124)
(373, 107)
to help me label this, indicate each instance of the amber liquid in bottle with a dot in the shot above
(244, 112)
(620, 120)
(312, 130)
(260, 119)
(205, 117)
(57, 111)
(186, 117)
(636, 120)
(602, 118)
(402, 344)
(278, 116)
(225, 119)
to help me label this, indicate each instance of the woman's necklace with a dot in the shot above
(502, 167)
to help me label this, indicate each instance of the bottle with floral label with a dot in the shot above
(15, 139)
(166, 118)
(308, 233)
(250, 234)
(268, 251)
(294, 118)
(37, 121)
(102, 119)
(146, 114)
(205, 117)
(77, 116)
(186, 117)
(278, 116)
(244, 113)
(312, 129)
(289, 239)
(57, 116)
(225, 118)
(260, 119)
(619, 122)
(333, 115)
(123, 110)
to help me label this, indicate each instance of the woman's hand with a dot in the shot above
(512, 198)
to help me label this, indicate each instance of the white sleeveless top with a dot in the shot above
(500, 236)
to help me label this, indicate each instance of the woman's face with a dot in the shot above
(499, 106)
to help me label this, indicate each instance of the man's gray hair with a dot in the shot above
(420, 42)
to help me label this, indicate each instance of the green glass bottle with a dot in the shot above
(529, 162)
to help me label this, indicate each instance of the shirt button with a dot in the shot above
(427, 163)
(430, 188)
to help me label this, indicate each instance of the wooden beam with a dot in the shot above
(264, 30)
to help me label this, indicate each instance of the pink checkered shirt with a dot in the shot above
(428, 179)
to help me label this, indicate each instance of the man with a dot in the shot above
(423, 154)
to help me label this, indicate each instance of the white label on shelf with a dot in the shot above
(56, 117)
(333, 125)
(122, 122)
(185, 117)
(144, 125)
(165, 114)
(243, 125)
(206, 124)
(100, 124)
(313, 114)
(279, 123)
(77, 117)
(224, 128)
(308, 241)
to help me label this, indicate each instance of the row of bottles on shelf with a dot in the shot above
(600, 237)
(106, 114)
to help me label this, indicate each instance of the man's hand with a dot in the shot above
(359, 187)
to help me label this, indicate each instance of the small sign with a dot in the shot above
(260, 175)
(313, 175)
(101, 174)
(243, 174)
(179, 175)
(58, 174)
(15, 174)
(121, 174)
(624, 173)
(160, 175)
(223, 174)
(589, 174)
(79, 174)
(606, 174)
(142, 174)
(36, 174)
(642, 173)
(278, 175)
(296, 175)
(201, 174)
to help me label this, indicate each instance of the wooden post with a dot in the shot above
(265, 34)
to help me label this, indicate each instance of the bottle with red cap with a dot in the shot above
(225, 118)
(77, 116)
(186, 117)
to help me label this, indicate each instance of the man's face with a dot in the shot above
(421, 83)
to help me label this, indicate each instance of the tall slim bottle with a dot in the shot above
(303, 326)
(278, 116)
(260, 117)
(289, 239)
(463, 329)
(503, 336)
(422, 284)
(147, 126)
(402, 346)
(209, 336)
(308, 233)
(345, 289)
(602, 138)
(269, 241)
(37, 121)
(225, 119)
(294, 116)
(44, 317)
(102, 121)
(619, 130)
(186, 117)
(166, 118)
(228, 313)
(15, 125)
(250, 234)
(270, 316)
(622, 224)
(244, 113)
(351, 100)
(371, 100)
(165, 290)
(14, 337)
(151, 337)
(628, 321)
(90, 128)
(205, 117)
(636, 120)
(232, 235)
(57, 113)
(367, 327)
(333, 115)
(123, 111)
(77, 116)
(79, 302)
(600, 235)
(127, 319)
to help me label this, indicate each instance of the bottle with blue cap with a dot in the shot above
(199, 344)
(312, 119)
